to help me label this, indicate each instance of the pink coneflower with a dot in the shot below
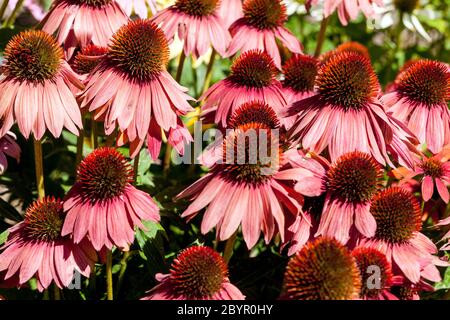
(398, 218)
(349, 183)
(197, 273)
(103, 204)
(419, 99)
(261, 26)
(197, 23)
(139, 7)
(323, 270)
(35, 83)
(131, 88)
(300, 73)
(249, 186)
(345, 114)
(87, 59)
(8, 147)
(252, 78)
(433, 170)
(35, 247)
(78, 23)
(348, 9)
(351, 46)
(230, 11)
(372, 262)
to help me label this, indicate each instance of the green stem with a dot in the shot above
(3, 8)
(136, 167)
(109, 278)
(56, 292)
(80, 145)
(94, 134)
(46, 295)
(39, 167)
(209, 70)
(180, 67)
(321, 37)
(123, 269)
(12, 18)
(229, 247)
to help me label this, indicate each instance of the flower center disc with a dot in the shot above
(264, 14)
(87, 59)
(104, 174)
(251, 154)
(432, 167)
(140, 50)
(254, 69)
(90, 3)
(425, 82)
(347, 80)
(397, 214)
(198, 8)
(323, 270)
(253, 113)
(367, 259)
(300, 73)
(198, 272)
(354, 177)
(33, 56)
(44, 219)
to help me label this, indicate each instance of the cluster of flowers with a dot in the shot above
(323, 191)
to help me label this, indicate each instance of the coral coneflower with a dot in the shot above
(300, 73)
(398, 218)
(197, 23)
(139, 7)
(249, 186)
(197, 273)
(35, 83)
(260, 27)
(351, 46)
(348, 10)
(253, 77)
(78, 23)
(230, 11)
(88, 59)
(103, 204)
(349, 183)
(419, 98)
(345, 114)
(8, 147)
(376, 274)
(433, 170)
(35, 247)
(323, 270)
(131, 88)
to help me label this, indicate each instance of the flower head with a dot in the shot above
(323, 270)
(197, 273)
(36, 80)
(88, 59)
(103, 204)
(36, 247)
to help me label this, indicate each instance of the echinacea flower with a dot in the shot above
(252, 78)
(35, 85)
(8, 147)
(260, 27)
(230, 11)
(350, 46)
(398, 218)
(348, 10)
(36, 248)
(197, 273)
(349, 183)
(323, 270)
(376, 274)
(419, 98)
(249, 186)
(197, 23)
(139, 7)
(103, 204)
(300, 73)
(345, 114)
(87, 59)
(433, 170)
(78, 23)
(132, 89)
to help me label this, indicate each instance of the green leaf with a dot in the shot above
(445, 283)
(3, 237)
(151, 242)
(9, 212)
